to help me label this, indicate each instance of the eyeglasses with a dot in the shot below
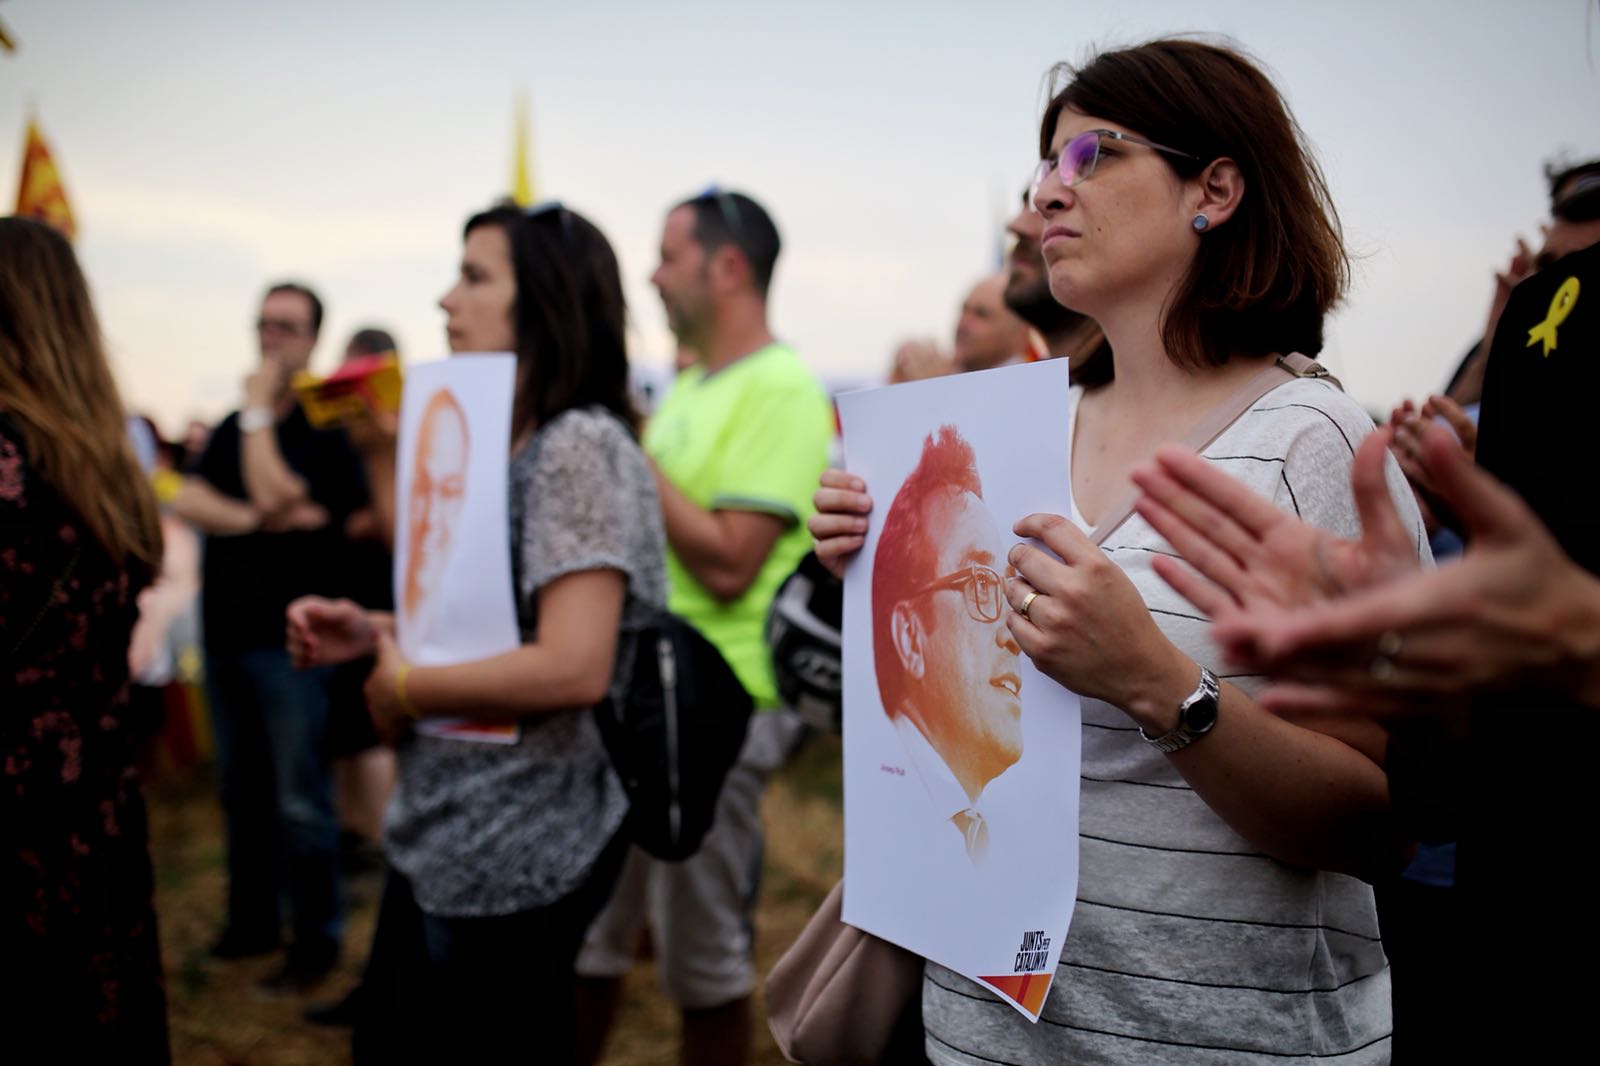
(1080, 155)
(279, 325)
(983, 586)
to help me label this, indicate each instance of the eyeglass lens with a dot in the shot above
(1078, 157)
(984, 593)
(1075, 163)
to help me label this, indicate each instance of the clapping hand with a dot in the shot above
(1408, 423)
(1246, 553)
(1513, 609)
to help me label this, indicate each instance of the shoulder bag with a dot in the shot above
(673, 727)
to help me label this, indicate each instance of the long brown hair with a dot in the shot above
(1263, 281)
(56, 385)
(570, 316)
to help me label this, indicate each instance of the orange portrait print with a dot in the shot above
(437, 493)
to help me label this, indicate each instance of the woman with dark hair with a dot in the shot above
(1221, 914)
(501, 854)
(79, 537)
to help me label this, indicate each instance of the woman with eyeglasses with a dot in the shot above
(502, 854)
(80, 964)
(1222, 911)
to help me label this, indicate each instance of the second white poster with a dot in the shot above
(452, 557)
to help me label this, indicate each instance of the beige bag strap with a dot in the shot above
(1285, 368)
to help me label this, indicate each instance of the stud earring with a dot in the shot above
(1200, 223)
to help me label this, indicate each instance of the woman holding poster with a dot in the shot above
(502, 853)
(1222, 913)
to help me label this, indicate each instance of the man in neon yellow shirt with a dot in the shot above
(738, 444)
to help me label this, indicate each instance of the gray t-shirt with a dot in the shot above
(486, 829)
(1187, 944)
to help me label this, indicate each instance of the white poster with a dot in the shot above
(960, 758)
(452, 556)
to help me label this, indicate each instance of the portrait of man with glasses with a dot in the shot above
(948, 670)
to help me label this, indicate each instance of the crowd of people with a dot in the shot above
(1282, 693)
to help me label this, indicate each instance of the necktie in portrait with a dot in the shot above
(974, 831)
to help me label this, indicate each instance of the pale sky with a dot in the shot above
(210, 147)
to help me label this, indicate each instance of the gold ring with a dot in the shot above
(1027, 601)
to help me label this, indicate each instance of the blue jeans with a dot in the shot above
(277, 795)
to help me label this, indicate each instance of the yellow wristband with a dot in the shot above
(167, 484)
(406, 705)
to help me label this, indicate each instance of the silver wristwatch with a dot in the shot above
(1196, 715)
(252, 419)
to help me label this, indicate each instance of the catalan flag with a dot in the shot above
(40, 193)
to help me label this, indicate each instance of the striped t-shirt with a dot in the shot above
(1187, 944)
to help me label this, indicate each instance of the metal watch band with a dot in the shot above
(1185, 734)
(252, 419)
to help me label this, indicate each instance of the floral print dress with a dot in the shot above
(80, 971)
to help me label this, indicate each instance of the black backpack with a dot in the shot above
(673, 726)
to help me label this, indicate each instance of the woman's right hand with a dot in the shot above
(322, 632)
(840, 524)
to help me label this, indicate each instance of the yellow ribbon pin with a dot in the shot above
(1560, 307)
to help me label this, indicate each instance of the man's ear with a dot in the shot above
(906, 628)
(1219, 189)
(729, 267)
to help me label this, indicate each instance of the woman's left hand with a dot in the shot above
(1087, 628)
(382, 690)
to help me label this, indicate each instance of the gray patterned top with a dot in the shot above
(484, 829)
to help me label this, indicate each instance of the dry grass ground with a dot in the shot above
(220, 1018)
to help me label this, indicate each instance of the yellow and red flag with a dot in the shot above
(40, 193)
(522, 187)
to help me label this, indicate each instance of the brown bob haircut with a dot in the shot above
(1262, 282)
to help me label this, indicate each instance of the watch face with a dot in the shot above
(1201, 715)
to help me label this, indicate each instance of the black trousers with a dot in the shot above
(1431, 959)
(487, 990)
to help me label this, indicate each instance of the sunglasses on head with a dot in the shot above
(556, 207)
(1080, 155)
(714, 193)
(1581, 202)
